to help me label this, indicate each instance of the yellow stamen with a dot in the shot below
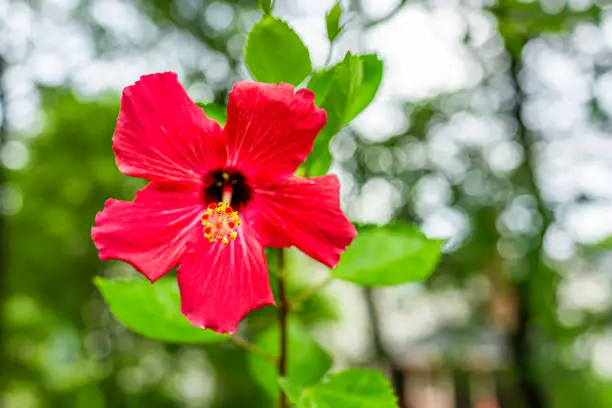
(220, 222)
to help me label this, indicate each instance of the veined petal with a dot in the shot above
(221, 283)
(162, 135)
(270, 129)
(151, 232)
(304, 212)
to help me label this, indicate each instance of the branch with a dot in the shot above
(310, 292)
(239, 341)
(381, 353)
(533, 392)
(389, 16)
(283, 311)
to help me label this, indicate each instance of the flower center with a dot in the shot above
(220, 221)
(223, 191)
(216, 181)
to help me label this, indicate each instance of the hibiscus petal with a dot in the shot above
(151, 232)
(270, 129)
(162, 135)
(304, 212)
(220, 283)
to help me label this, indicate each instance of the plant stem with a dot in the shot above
(520, 341)
(283, 311)
(386, 17)
(535, 272)
(330, 53)
(308, 293)
(253, 348)
(382, 355)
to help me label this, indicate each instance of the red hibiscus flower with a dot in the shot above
(217, 196)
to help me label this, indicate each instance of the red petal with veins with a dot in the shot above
(221, 283)
(304, 212)
(270, 129)
(162, 135)
(150, 232)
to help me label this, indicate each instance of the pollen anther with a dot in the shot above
(220, 222)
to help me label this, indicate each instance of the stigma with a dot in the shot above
(220, 222)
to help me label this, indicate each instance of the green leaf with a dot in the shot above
(367, 70)
(344, 85)
(367, 89)
(344, 91)
(290, 389)
(274, 53)
(332, 21)
(307, 362)
(152, 310)
(266, 6)
(347, 389)
(338, 88)
(389, 255)
(319, 84)
(215, 112)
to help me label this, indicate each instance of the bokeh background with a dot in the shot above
(492, 129)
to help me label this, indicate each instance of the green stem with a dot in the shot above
(308, 293)
(283, 312)
(386, 17)
(330, 53)
(253, 348)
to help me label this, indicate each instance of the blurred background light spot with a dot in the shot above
(187, 9)
(558, 244)
(431, 45)
(201, 92)
(432, 191)
(343, 146)
(601, 358)
(380, 120)
(98, 343)
(219, 15)
(11, 199)
(379, 8)
(446, 223)
(14, 155)
(585, 291)
(376, 202)
(192, 381)
(589, 223)
(217, 70)
(504, 157)
(21, 395)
